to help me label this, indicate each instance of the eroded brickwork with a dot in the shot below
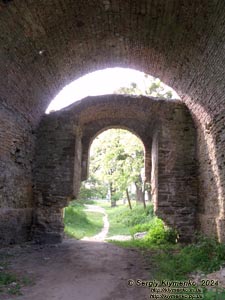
(177, 172)
(16, 190)
(54, 170)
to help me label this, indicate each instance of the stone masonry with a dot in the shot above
(61, 160)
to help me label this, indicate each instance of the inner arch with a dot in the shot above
(121, 151)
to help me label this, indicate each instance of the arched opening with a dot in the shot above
(116, 179)
(109, 81)
(117, 159)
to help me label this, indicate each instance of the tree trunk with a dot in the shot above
(143, 196)
(149, 196)
(128, 198)
(113, 202)
(140, 195)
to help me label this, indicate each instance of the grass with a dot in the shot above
(7, 278)
(218, 294)
(79, 223)
(205, 256)
(122, 219)
(11, 283)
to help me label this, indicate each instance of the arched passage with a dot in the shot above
(46, 45)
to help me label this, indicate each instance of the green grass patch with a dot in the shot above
(121, 218)
(12, 284)
(7, 278)
(218, 294)
(79, 223)
(206, 256)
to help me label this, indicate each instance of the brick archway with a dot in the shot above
(167, 132)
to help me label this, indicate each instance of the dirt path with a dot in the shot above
(79, 270)
(100, 237)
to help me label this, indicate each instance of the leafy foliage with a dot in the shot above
(154, 88)
(157, 233)
(92, 189)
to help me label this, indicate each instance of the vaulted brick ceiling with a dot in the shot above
(47, 44)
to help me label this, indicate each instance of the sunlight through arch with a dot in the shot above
(117, 160)
(102, 82)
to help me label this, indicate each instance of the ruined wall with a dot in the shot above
(177, 172)
(54, 174)
(211, 145)
(64, 139)
(16, 195)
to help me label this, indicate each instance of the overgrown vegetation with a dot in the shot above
(122, 219)
(80, 223)
(168, 259)
(205, 256)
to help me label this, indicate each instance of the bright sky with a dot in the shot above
(99, 83)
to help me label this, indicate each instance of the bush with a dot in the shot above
(157, 234)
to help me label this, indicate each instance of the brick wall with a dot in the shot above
(16, 190)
